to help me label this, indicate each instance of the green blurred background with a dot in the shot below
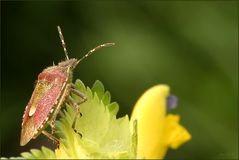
(192, 46)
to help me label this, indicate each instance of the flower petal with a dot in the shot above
(174, 133)
(150, 111)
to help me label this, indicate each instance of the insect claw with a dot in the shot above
(75, 130)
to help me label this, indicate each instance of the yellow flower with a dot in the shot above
(157, 131)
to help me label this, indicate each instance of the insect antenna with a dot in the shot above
(62, 41)
(95, 49)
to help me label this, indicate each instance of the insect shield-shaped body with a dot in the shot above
(52, 90)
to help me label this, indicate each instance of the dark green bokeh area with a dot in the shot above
(191, 46)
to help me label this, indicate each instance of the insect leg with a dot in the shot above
(52, 124)
(58, 110)
(84, 98)
(73, 103)
(50, 136)
(53, 120)
(78, 93)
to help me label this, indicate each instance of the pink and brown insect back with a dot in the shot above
(52, 90)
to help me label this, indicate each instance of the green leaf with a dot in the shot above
(98, 87)
(27, 155)
(44, 153)
(48, 153)
(113, 108)
(37, 153)
(106, 98)
(134, 138)
(101, 134)
(80, 85)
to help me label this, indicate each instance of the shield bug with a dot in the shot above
(52, 90)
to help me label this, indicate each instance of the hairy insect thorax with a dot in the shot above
(60, 72)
